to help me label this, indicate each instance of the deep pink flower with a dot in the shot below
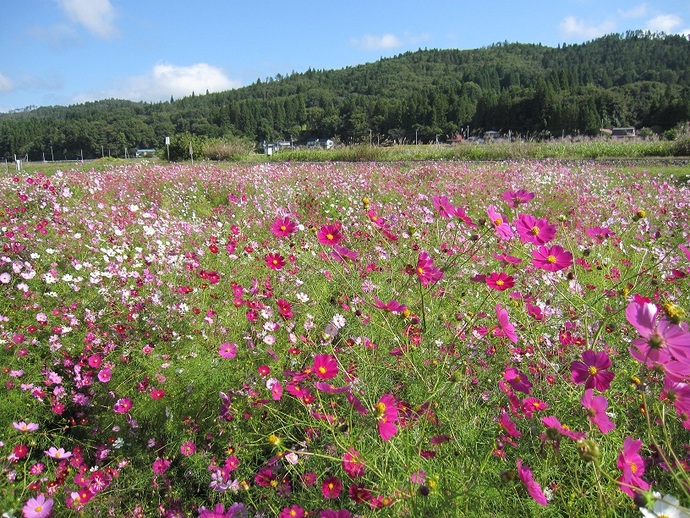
(187, 448)
(596, 411)
(342, 253)
(227, 350)
(123, 405)
(600, 234)
(352, 463)
(392, 305)
(387, 416)
(462, 216)
(294, 511)
(519, 197)
(275, 261)
(660, 339)
(517, 380)
(331, 487)
(508, 425)
(533, 488)
(553, 423)
(592, 370)
(325, 366)
(500, 223)
(426, 271)
(330, 235)
(283, 227)
(552, 259)
(157, 393)
(505, 327)
(38, 507)
(443, 206)
(499, 281)
(534, 230)
(631, 463)
(160, 465)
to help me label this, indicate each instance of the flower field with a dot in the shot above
(336, 340)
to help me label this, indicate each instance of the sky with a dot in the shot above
(65, 52)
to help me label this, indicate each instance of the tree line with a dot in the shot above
(638, 79)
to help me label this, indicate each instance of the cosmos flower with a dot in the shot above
(283, 227)
(25, 427)
(499, 281)
(552, 259)
(330, 235)
(38, 507)
(505, 328)
(631, 463)
(500, 223)
(426, 271)
(533, 488)
(387, 416)
(534, 230)
(595, 406)
(592, 370)
(519, 197)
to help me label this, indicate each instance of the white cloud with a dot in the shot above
(634, 12)
(572, 26)
(370, 42)
(98, 16)
(6, 84)
(165, 80)
(667, 23)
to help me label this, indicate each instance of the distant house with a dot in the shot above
(324, 143)
(623, 132)
(146, 153)
(455, 139)
(271, 147)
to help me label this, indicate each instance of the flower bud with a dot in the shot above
(588, 450)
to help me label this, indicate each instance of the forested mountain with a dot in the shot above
(633, 79)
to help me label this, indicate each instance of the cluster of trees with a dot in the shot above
(636, 79)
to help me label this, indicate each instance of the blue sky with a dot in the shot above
(63, 52)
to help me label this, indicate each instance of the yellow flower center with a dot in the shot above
(283, 228)
(500, 282)
(380, 408)
(592, 370)
(534, 231)
(329, 237)
(551, 259)
(498, 221)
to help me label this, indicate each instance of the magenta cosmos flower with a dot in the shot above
(631, 463)
(505, 327)
(592, 370)
(330, 235)
(444, 207)
(275, 261)
(227, 350)
(519, 197)
(500, 223)
(283, 227)
(38, 507)
(533, 488)
(426, 271)
(660, 339)
(499, 281)
(552, 259)
(387, 416)
(596, 406)
(325, 366)
(352, 463)
(534, 230)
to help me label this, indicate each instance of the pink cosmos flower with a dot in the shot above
(283, 227)
(157, 393)
(160, 465)
(600, 234)
(275, 261)
(660, 339)
(444, 207)
(352, 463)
(276, 389)
(331, 487)
(508, 425)
(38, 507)
(517, 380)
(592, 370)
(325, 366)
(25, 427)
(387, 416)
(227, 350)
(534, 230)
(123, 405)
(533, 488)
(426, 271)
(499, 281)
(187, 448)
(330, 235)
(58, 453)
(631, 463)
(392, 305)
(342, 254)
(294, 511)
(595, 407)
(552, 259)
(500, 223)
(104, 375)
(505, 327)
(552, 423)
(519, 197)
(462, 216)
